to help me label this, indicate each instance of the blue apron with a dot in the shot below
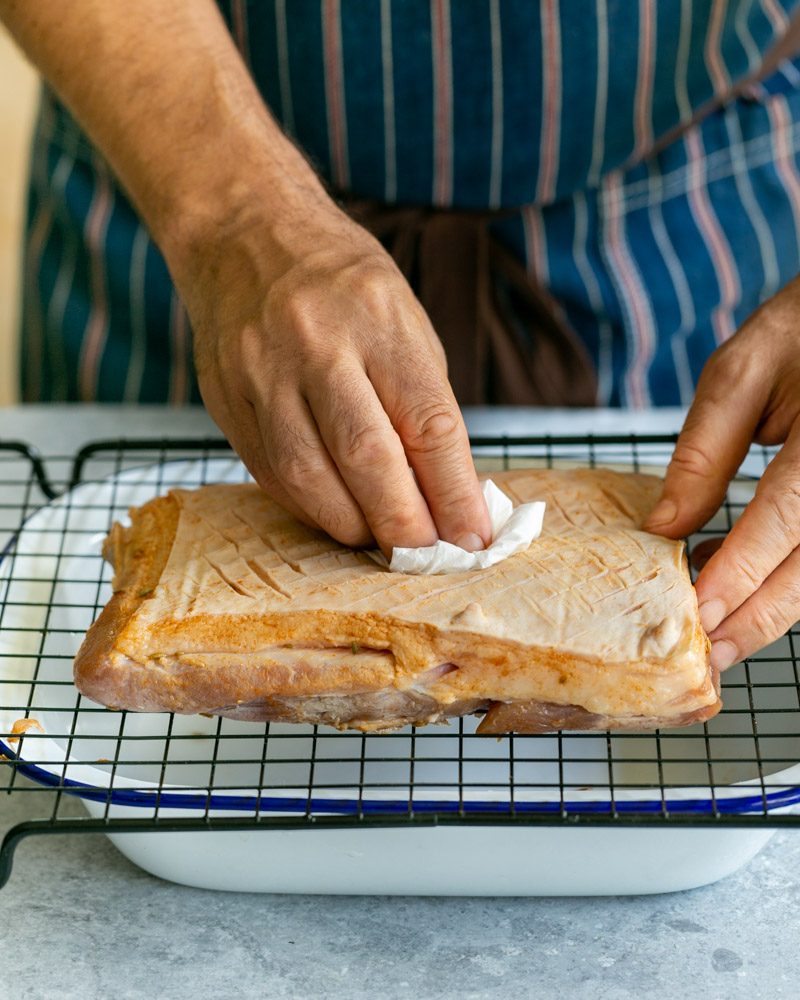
(548, 112)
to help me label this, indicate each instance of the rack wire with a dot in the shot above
(162, 772)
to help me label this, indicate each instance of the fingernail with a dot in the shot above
(470, 541)
(711, 614)
(664, 512)
(723, 654)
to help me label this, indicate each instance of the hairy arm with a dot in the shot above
(164, 94)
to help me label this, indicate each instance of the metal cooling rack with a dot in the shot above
(674, 777)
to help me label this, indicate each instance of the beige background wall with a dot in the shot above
(18, 87)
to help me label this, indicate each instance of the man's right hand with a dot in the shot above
(314, 356)
(322, 369)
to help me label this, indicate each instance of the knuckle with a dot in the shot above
(458, 510)
(296, 460)
(342, 522)
(729, 362)
(373, 282)
(365, 447)
(345, 388)
(295, 310)
(769, 620)
(744, 567)
(692, 458)
(292, 471)
(354, 538)
(784, 505)
(304, 336)
(297, 470)
(790, 598)
(398, 523)
(430, 427)
(369, 286)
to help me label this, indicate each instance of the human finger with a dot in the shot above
(237, 420)
(370, 458)
(425, 414)
(763, 537)
(711, 446)
(764, 617)
(305, 471)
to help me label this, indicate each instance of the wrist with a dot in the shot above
(250, 204)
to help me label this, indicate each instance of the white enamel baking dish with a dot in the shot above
(77, 748)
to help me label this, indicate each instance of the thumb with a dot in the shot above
(710, 448)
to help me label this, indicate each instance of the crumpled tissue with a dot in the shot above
(513, 529)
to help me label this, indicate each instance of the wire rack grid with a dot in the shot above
(164, 772)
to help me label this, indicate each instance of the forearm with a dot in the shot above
(163, 93)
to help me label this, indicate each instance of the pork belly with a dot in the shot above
(224, 604)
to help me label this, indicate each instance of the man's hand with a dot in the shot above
(323, 370)
(314, 356)
(749, 589)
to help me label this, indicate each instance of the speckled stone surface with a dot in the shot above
(77, 920)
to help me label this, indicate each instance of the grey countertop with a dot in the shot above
(78, 920)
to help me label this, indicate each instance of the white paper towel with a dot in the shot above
(512, 531)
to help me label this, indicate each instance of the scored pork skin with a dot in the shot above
(223, 603)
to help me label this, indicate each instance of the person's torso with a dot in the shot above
(472, 103)
(487, 103)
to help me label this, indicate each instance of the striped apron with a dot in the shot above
(548, 113)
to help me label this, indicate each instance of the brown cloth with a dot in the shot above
(504, 341)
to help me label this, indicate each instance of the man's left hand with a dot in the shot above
(749, 390)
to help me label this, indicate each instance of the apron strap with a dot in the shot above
(504, 341)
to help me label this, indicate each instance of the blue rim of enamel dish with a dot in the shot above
(389, 807)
